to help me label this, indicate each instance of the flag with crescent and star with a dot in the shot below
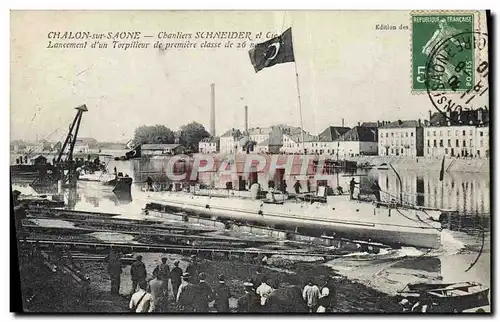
(277, 50)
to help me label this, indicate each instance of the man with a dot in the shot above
(159, 293)
(376, 190)
(308, 185)
(114, 270)
(327, 297)
(297, 186)
(137, 272)
(175, 277)
(264, 291)
(257, 280)
(204, 294)
(222, 293)
(352, 184)
(149, 182)
(250, 301)
(162, 270)
(311, 296)
(186, 296)
(191, 269)
(141, 301)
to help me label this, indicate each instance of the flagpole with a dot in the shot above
(300, 104)
(298, 92)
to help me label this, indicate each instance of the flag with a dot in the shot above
(277, 50)
(441, 173)
(135, 153)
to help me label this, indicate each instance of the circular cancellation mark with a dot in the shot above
(454, 80)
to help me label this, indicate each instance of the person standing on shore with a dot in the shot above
(222, 293)
(141, 301)
(137, 272)
(192, 270)
(327, 297)
(257, 279)
(204, 294)
(311, 296)
(114, 270)
(162, 270)
(249, 302)
(186, 296)
(175, 278)
(159, 293)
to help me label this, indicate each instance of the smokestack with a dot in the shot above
(246, 119)
(430, 115)
(342, 122)
(212, 110)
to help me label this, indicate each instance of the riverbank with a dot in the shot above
(352, 297)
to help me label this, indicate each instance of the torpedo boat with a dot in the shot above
(388, 223)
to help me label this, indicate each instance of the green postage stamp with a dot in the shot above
(440, 52)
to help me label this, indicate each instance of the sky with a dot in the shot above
(347, 70)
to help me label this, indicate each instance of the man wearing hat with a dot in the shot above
(186, 295)
(222, 293)
(176, 278)
(204, 294)
(249, 302)
(114, 270)
(191, 269)
(137, 272)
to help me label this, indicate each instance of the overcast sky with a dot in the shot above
(347, 69)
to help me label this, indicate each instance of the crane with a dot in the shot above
(64, 170)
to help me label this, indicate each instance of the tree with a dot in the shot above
(191, 134)
(150, 134)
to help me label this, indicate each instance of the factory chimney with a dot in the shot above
(246, 119)
(212, 110)
(342, 122)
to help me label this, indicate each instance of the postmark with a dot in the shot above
(454, 83)
(431, 30)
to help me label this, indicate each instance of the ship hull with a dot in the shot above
(339, 217)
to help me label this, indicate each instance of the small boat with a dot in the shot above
(119, 182)
(448, 297)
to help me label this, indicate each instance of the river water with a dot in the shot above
(465, 255)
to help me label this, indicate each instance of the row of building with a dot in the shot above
(458, 134)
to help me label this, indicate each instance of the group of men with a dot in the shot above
(192, 293)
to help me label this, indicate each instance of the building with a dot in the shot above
(259, 135)
(272, 144)
(401, 138)
(458, 134)
(326, 141)
(292, 140)
(209, 145)
(360, 140)
(229, 141)
(162, 149)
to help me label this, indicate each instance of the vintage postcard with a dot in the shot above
(251, 161)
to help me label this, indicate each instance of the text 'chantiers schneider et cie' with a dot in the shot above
(124, 40)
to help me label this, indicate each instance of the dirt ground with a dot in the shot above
(55, 295)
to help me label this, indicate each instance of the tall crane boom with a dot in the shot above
(71, 137)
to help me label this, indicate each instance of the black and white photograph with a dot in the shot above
(230, 162)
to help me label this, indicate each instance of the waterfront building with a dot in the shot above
(259, 134)
(229, 141)
(292, 141)
(162, 149)
(458, 134)
(360, 140)
(326, 142)
(81, 146)
(272, 144)
(209, 145)
(401, 138)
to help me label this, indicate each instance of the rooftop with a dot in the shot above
(360, 133)
(400, 124)
(332, 133)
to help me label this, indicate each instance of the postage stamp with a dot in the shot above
(430, 32)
